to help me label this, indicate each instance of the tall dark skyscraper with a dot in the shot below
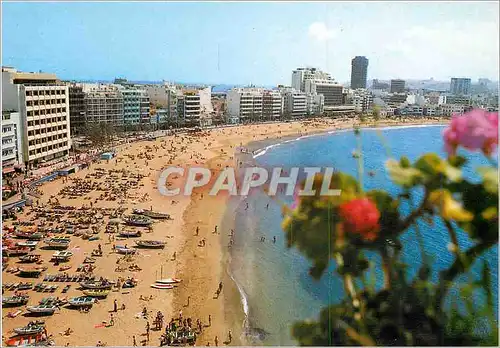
(359, 70)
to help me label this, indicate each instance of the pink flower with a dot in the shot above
(361, 216)
(475, 130)
(296, 199)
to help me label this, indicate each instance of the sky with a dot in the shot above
(251, 43)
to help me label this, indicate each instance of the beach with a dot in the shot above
(201, 266)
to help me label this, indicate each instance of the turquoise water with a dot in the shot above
(274, 280)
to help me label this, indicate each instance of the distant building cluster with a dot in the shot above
(41, 114)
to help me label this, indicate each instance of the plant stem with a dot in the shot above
(415, 214)
(386, 267)
(360, 161)
(420, 239)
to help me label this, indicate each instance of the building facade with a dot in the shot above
(76, 109)
(42, 102)
(362, 101)
(359, 72)
(12, 154)
(136, 109)
(272, 105)
(301, 75)
(245, 104)
(294, 103)
(398, 86)
(315, 104)
(104, 104)
(460, 86)
(332, 91)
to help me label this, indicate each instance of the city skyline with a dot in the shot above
(251, 43)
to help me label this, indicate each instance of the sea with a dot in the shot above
(273, 281)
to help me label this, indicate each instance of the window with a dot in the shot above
(29, 93)
(37, 131)
(30, 133)
(35, 102)
(53, 92)
(30, 113)
(35, 92)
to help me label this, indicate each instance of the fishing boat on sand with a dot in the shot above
(62, 256)
(169, 281)
(31, 272)
(130, 234)
(97, 292)
(82, 301)
(33, 327)
(58, 242)
(16, 251)
(29, 235)
(13, 301)
(29, 243)
(47, 309)
(124, 250)
(152, 244)
(152, 214)
(96, 285)
(162, 286)
(137, 220)
(32, 340)
(30, 258)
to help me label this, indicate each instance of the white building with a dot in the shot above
(416, 99)
(450, 109)
(245, 104)
(104, 104)
(301, 75)
(315, 104)
(194, 106)
(163, 97)
(12, 154)
(135, 106)
(455, 99)
(294, 103)
(362, 100)
(331, 90)
(43, 105)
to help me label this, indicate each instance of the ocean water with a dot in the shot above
(273, 280)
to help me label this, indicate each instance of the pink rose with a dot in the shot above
(475, 130)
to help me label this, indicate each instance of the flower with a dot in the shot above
(475, 130)
(361, 216)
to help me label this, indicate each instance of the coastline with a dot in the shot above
(201, 268)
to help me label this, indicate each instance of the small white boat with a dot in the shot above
(162, 286)
(58, 242)
(124, 250)
(152, 244)
(42, 309)
(169, 281)
(15, 300)
(82, 301)
(62, 255)
(27, 243)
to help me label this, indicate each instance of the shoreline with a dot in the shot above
(201, 268)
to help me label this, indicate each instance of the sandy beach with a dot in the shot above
(201, 268)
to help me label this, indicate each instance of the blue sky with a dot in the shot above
(243, 43)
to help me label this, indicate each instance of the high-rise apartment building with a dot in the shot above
(294, 103)
(460, 86)
(272, 105)
(135, 106)
(43, 106)
(76, 108)
(194, 106)
(359, 71)
(103, 104)
(398, 86)
(11, 141)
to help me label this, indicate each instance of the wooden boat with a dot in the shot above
(29, 243)
(169, 281)
(29, 235)
(31, 272)
(138, 220)
(32, 340)
(82, 301)
(130, 234)
(124, 250)
(96, 285)
(152, 214)
(58, 242)
(56, 301)
(152, 244)
(162, 286)
(13, 301)
(16, 251)
(62, 255)
(30, 258)
(97, 292)
(33, 327)
(47, 309)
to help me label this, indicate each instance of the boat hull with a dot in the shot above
(162, 286)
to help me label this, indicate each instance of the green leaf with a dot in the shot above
(490, 178)
(457, 161)
(405, 162)
(432, 165)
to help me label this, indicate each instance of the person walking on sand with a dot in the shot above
(209, 320)
(115, 306)
(134, 341)
(197, 230)
(215, 229)
(229, 337)
(216, 340)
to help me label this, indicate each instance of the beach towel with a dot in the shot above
(96, 326)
